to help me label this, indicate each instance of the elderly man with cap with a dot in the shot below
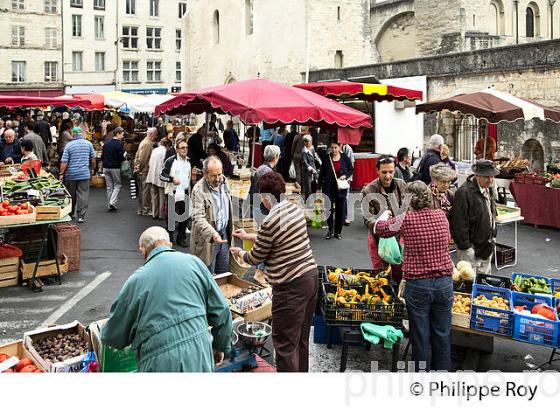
(473, 217)
(431, 157)
(76, 167)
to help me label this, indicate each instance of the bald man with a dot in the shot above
(211, 235)
(141, 168)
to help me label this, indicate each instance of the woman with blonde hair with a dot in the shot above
(444, 154)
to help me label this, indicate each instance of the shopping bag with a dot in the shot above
(292, 171)
(125, 169)
(390, 251)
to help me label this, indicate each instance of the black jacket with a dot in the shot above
(470, 222)
(327, 178)
(431, 157)
(44, 130)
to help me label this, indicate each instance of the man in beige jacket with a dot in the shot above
(141, 168)
(212, 216)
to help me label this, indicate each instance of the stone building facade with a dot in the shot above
(278, 40)
(30, 44)
(530, 71)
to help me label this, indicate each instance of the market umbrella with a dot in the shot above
(16, 101)
(260, 100)
(361, 91)
(493, 106)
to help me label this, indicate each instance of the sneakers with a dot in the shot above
(338, 236)
(81, 219)
(329, 235)
(112, 208)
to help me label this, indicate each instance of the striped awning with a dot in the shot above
(494, 106)
(361, 91)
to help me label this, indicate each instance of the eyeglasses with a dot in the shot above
(387, 160)
(183, 147)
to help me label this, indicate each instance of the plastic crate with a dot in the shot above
(526, 275)
(505, 255)
(491, 320)
(68, 243)
(554, 284)
(462, 287)
(320, 331)
(321, 273)
(533, 330)
(493, 280)
(358, 313)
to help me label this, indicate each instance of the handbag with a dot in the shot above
(125, 169)
(342, 184)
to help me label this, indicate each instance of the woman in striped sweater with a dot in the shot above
(282, 244)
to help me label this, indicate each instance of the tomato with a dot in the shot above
(5, 204)
(22, 363)
(28, 369)
(21, 212)
(25, 205)
(12, 208)
(3, 356)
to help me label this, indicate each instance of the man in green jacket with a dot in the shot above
(165, 308)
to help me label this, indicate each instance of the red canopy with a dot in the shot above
(262, 100)
(15, 101)
(361, 91)
(97, 100)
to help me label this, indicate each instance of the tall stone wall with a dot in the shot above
(433, 21)
(398, 40)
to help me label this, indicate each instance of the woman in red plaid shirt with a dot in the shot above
(427, 284)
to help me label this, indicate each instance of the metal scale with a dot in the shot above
(247, 339)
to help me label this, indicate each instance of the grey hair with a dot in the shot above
(151, 131)
(207, 161)
(271, 152)
(10, 131)
(421, 195)
(152, 236)
(435, 141)
(307, 138)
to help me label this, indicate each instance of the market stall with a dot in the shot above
(33, 204)
(540, 204)
(365, 169)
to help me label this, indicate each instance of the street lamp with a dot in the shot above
(551, 4)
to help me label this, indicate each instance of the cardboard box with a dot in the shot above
(46, 268)
(73, 365)
(258, 314)
(18, 349)
(9, 272)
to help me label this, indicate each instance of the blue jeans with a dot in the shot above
(429, 303)
(220, 256)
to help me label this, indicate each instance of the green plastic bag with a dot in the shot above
(390, 251)
(125, 169)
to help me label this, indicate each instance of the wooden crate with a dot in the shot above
(19, 219)
(46, 268)
(9, 272)
(18, 349)
(52, 213)
(460, 319)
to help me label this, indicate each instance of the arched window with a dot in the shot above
(532, 20)
(216, 25)
(529, 23)
(338, 59)
(496, 18)
(249, 17)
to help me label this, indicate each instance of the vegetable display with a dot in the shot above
(352, 298)
(23, 365)
(348, 278)
(9, 209)
(461, 304)
(496, 303)
(541, 311)
(531, 285)
(61, 347)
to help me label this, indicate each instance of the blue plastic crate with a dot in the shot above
(533, 330)
(554, 284)
(320, 331)
(491, 320)
(529, 275)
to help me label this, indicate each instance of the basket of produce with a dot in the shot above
(461, 310)
(535, 319)
(491, 310)
(97, 181)
(463, 277)
(532, 284)
(353, 278)
(349, 307)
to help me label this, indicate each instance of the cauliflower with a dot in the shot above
(456, 275)
(463, 265)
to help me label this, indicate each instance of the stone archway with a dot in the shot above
(533, 151)
(396, 40)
